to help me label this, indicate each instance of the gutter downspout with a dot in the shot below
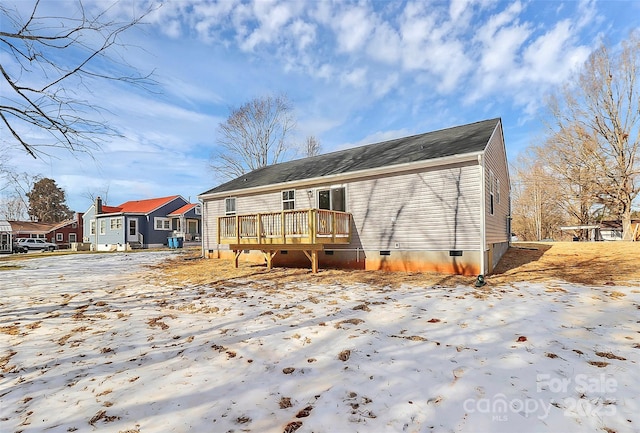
(482, 214)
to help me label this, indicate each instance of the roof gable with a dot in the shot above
(184, 209)
(32, 226)
(141, 206)
(458, 140)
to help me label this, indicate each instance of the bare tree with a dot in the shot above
(50, 58)
(537, 212)
(602, 109)
(15, 204)
(255, 135)
(311, 146)
(568, 157)
(103, 193)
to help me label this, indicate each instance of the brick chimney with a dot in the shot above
(98, 205)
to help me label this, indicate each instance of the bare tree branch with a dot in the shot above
(594, 137)
(254, 135)
(51, 57)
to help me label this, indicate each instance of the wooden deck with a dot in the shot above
(308, 230)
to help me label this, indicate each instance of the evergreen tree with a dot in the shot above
(47, 202)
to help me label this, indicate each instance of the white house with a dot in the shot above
(438, 201)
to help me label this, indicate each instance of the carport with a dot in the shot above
(6, 246)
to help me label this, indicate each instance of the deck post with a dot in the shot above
(333, 227)
(269, 255)
(219, 226)
(259, 227)
(313, 257)
(283, 227)
(314, 261)
(312, 226)
(237, 256)
(237, 229)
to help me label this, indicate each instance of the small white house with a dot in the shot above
(438, 201)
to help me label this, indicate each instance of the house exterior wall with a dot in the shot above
(496, 176)
(154, 236)
(111, 236)
(410, 221)
(61, 235)
(86, 226)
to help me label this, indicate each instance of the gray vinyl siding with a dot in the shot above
(496, 162)
(435, 210)
(246, 204)
(432, 210)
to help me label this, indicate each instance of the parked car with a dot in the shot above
(17, 248)
(37, 244)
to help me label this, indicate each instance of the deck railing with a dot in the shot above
(309, 226)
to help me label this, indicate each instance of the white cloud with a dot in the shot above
(271, 17)
(384, 45)
(381, 87)
(546, 58)
(355, 77)
(353, 26)
(303, 33)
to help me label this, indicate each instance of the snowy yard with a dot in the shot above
(99, 343)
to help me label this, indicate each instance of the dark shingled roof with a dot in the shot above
(438, 144)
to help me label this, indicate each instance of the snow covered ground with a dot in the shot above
(98, 343)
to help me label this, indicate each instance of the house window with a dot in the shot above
(59, 237)
(230, 206)
(162, 223)
(103, 227)
(72, 237)
(115, 223)
(332, 199)
(288, 199)
(491, 190)
(198, 210)
(92, 227)
(74, 225)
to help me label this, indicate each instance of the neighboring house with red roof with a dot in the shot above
(62, 233)
(140, 223)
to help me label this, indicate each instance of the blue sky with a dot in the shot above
(356, 73)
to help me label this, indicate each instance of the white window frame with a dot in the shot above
(59, 237)
(331, 189)
(227, 202)
(103, 227)
(92, 227)
(289, 199)
(73, 238)
(161, 223)
(115, 223)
